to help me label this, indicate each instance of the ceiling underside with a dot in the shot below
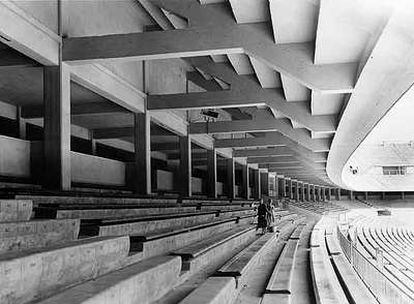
(293, 81)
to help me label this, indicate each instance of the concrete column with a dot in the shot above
(313, 193)
(21, 124)
(57, 127)
(93, 146)
(329, 194)
(264, 183)
(302, 192)
(402, 195)
(282, 189)
(351, 195)
(383, 195)
(142, 180)
(290, 188)
(338, 194)
(256, 187)
(318, 193)
(245, 182)
(185, 173)
(296, 193)
(277, 187)
(366, 196)
(323, 191)
(230, 179)
(212, 173)
(308, 192)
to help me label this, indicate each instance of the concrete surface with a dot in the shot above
(155, 226)
(16, 236)
(143, 283)
(38, 273)
(213, 291)
(173, 242)
(15, 210)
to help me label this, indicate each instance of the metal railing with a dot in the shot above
(385, 290)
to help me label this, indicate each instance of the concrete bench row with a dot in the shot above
(320, 208)
(226, 283)
(111, 200)
(155, 223)
(23, 235)
(15, 210)
(36, 274)
(119, 211)
(43, 261)
(278, 289)
(327, 288)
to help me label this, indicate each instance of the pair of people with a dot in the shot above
(265, 216)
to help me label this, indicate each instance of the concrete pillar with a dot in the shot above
(185, 173)
(142, 180)
(323, 192)
(21, 124)
(351, 195)
(366, 196)
(402, 195)
(276, 187)
(296, 193)
(282, 189)
(57, 127)
(245, 182)
(302, 192)
(264, 183)
(383, 195)
(308, 192)
(212, 173)
(93, 146)
(290, 188)
(312, 193)
(328, 196)
(256, 184)
(230, 179)
(318, 193)
(338, 194)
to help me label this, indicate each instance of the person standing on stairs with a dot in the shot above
(262, 217)
(270, 217)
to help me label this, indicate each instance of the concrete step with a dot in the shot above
(146, 224)
(38, 273)
(94, 200)
(201, 253)
(214, 290)
(168, 241)
(18, 236)
(155, 223)
(87, 211)
(280, 281)
(297, 232)
(217, 201)
(278, 289)
(99, 212)
(143, 283)
(239, 266)
(327, 288)
(15, 210)
(226, 284)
